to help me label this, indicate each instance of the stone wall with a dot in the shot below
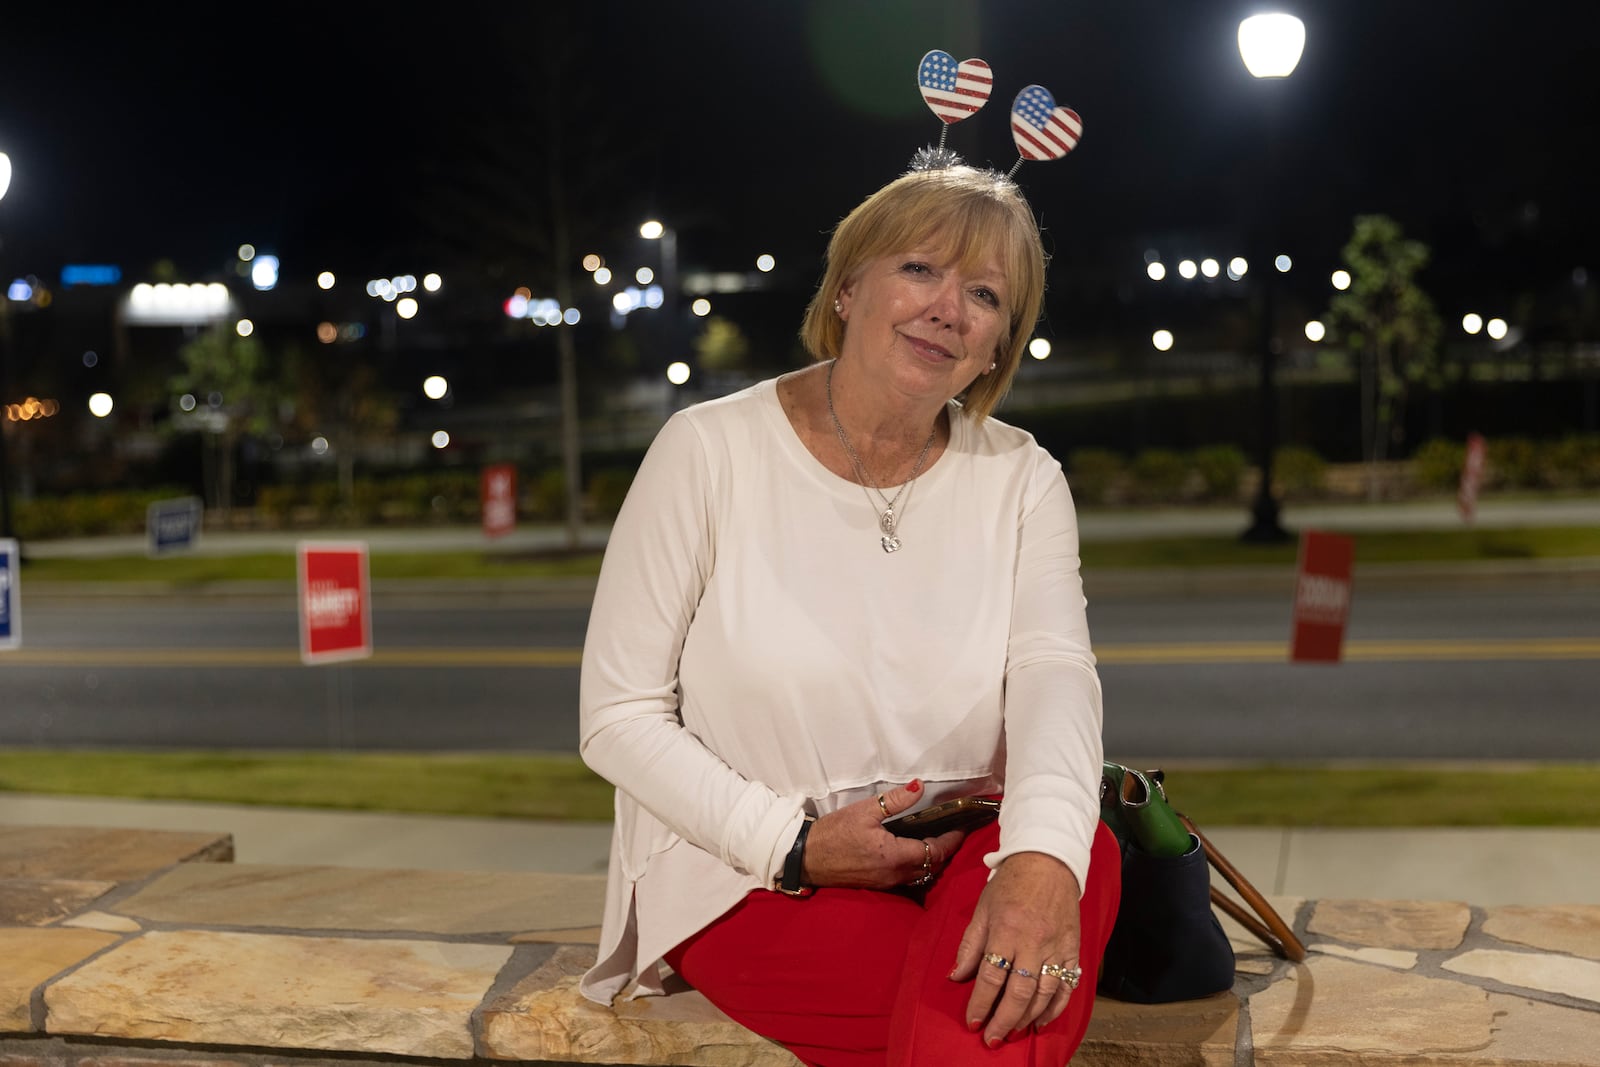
(146, 949)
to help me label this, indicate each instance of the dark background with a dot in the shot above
(373, 140)
(331, 133)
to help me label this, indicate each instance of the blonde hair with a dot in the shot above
(978, 215)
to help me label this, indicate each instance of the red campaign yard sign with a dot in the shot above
(1321, 597)
(1471, 476)
(335, 605)
(498, 496)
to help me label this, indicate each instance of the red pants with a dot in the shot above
(855, 977)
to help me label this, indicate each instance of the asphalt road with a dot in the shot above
(1440, 670)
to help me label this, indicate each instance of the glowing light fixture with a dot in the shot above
(1472, 322)
(1341, 280)
(1271, 44)
(1162, 339)
(652, 230)
(100, 405)
(434, 387)
(1188, 269)
(1039, 348)
(677, 372)
(1315, 331)
(1497, 329)
(1156, 270)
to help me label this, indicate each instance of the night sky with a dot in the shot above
(372, 139)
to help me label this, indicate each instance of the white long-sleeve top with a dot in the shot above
(753, 654)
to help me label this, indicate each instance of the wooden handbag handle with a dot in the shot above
(1270, 927)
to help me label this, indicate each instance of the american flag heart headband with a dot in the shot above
(955, 90)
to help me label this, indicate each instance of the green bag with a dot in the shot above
(1134, 805)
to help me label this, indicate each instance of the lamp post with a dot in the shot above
(1270, 46)
(5, 384)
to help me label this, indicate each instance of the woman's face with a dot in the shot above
(931, 326)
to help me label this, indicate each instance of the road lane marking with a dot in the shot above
(1174, 653)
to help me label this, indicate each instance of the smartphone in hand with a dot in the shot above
(962, 813)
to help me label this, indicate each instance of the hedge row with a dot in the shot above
(1220, 472)
(1098, 477)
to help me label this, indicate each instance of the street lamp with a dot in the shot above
(1270, 46)
(5, 385)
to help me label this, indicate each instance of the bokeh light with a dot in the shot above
(1162, 339)
(1039, 348)
(435, 386)
(678, 372)
(100, 405)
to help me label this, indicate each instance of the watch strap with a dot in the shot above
(789, 881)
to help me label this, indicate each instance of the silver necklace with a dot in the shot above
(888, 519)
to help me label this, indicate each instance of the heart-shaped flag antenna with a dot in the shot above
(953, 91)
(1040, 129)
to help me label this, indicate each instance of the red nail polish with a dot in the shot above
(973, 1024)
(914, 786)
(994, 1042)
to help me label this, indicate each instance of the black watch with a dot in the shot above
(789, 881)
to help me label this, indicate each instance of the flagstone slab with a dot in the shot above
(103, 855)
(1326, 1006)
(100, 920)
(1385, 957)
(544, 1017)
(39, 901)
(30, 956)
(405, 997)
(369, 900)
(1401, 924)
(1192, 1033)
(1570, 928)
(1547, 972)
(1531, 1032)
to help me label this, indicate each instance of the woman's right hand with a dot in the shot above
(850, 848)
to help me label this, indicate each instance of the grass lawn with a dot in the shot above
(560, 787)
(1412, 546)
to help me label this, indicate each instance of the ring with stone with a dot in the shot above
(1022, 972)
(994, 959)
(1070, 975)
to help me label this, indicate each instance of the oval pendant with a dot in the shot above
(890, 543)
(886, 522)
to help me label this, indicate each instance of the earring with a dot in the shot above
(838, 307)
(992, 366)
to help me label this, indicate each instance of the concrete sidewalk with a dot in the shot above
(1488, 867)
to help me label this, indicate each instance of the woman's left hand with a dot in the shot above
(1028, 916)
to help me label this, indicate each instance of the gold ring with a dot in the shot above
(927, 856)
(994, 959)
(884, 806)
(1070, 975)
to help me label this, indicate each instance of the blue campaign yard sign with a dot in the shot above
(10, 613)
(173, 525)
